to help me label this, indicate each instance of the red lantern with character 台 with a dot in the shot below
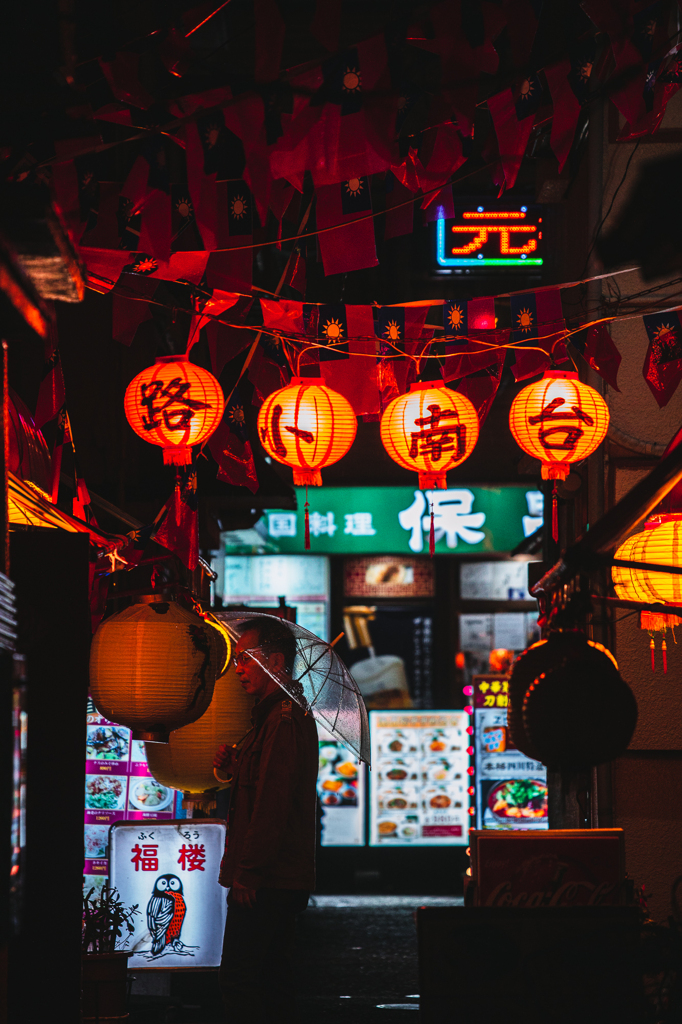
(558, 420)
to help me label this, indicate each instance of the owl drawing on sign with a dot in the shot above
(165, 915)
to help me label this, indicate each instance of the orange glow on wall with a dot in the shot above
(307, 426)
(430, 430)
(174, 404)
(558, 420)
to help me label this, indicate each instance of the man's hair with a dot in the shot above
(273, 635)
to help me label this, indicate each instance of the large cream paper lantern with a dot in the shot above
(186, 761)
(153, 667)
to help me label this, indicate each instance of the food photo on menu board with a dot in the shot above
(118, 785)
(419, 780)
(510, 787)
(340, 788)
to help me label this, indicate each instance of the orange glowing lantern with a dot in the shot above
(431, 430)
(174, 404)
(558, 420)
(307, 426)
(658, 544)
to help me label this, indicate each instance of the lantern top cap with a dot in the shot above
(563, 374)
(311, 381)
(660, 520)
(172, 359)
(426, 385)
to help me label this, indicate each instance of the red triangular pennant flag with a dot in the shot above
(179, 528)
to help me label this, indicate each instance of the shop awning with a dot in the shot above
(28, 507)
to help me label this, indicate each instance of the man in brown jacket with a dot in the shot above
(269, 861)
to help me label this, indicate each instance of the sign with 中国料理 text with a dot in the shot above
(397, 520)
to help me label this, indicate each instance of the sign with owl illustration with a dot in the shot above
(171, 870)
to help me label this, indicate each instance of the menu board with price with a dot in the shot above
(341, 792)
(419, 780)
(118, 785)
(510, 787)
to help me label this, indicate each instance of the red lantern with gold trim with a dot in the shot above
(174, 404)
(558, 420)
(307, 426)
(431, 430)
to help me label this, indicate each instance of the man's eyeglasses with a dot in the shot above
(244, 657)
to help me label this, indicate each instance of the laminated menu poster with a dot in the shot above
(510, 787)
(419, 778)
(341, 792)
(118, 785)
(170, 870)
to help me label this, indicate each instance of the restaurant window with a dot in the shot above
(260, 580)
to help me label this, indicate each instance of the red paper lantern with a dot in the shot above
(431, 430)
(307, 426)
(174, 404)
(559, 420)
(658, 544)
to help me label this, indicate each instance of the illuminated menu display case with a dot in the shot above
(419, 778)
(118, 786)
(510, 787)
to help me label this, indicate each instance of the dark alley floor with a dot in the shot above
(358, 957)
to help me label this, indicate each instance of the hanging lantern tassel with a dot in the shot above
(652, 645)
(555, 515)
(432, 535)
(664, 648)
(307, 522)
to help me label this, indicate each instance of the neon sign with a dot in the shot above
(481, 237)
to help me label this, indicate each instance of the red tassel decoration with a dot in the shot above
(307, 522)
(432, 536)
(555, 516)
(664, 647)
(653, 654)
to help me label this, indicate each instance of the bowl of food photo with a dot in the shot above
(149, 795)
(105, 792)
(520, 800)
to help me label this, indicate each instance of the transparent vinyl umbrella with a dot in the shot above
(320, 682)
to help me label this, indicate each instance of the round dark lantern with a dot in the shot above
(569, 706)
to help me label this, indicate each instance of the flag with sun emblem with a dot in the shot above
(230, 446)
(528, 97)
(239, 208)
(537, 317)
(389, 327)
(461, 317)
(663, 364)
(342, 83)
(332, 331)
(184, 232)
(350, 246)
(465, 325)
(354, 375)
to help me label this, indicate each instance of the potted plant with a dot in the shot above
(105, 961)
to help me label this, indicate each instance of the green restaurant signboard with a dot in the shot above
(396, 520)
